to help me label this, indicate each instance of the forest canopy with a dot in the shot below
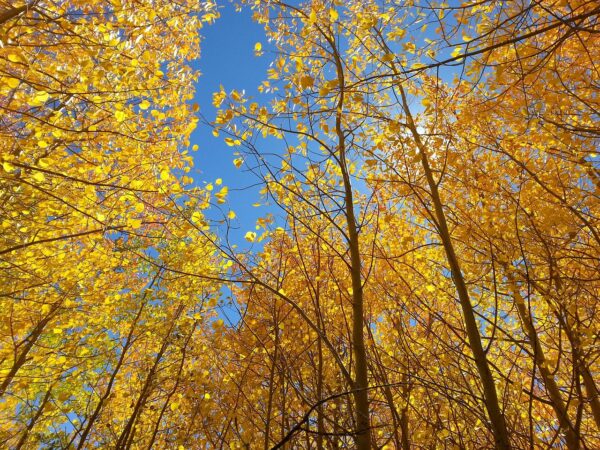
(426, 274)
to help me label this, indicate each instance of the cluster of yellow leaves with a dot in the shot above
(94, 200)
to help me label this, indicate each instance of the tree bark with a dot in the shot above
(498, 423)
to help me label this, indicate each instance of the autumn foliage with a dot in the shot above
(427, 276)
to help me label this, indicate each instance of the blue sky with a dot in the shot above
(227, 58)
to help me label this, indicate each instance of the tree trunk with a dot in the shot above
(498, 423)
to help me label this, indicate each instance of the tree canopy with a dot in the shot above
(427, 274)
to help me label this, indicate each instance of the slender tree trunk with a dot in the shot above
(593, 397)
(404, 414)
(29, 342)
(113, 376)
(557, 402)
(126, 438)
(361, 395)
(11, 13)
(271, 387)
(34, 419)
(361, 380)
(172, 391)
(285, 423)
(389, 397)
(320, 418)
(591, 389)
(498, 423)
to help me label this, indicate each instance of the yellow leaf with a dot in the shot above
(120, 116)
(13, 83)
(250, 236)
(306, 81)
(42, 144)
(397, 34)
(40, 98)
(145, 105)
(238, 162)
(323, 91)
(8, 166)
(134, 223)
(196, 217)
(231, 215)
(333, 15)
(39, 177)
(456, 52)
(164, 174)
(409, 47)
(430, 288)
